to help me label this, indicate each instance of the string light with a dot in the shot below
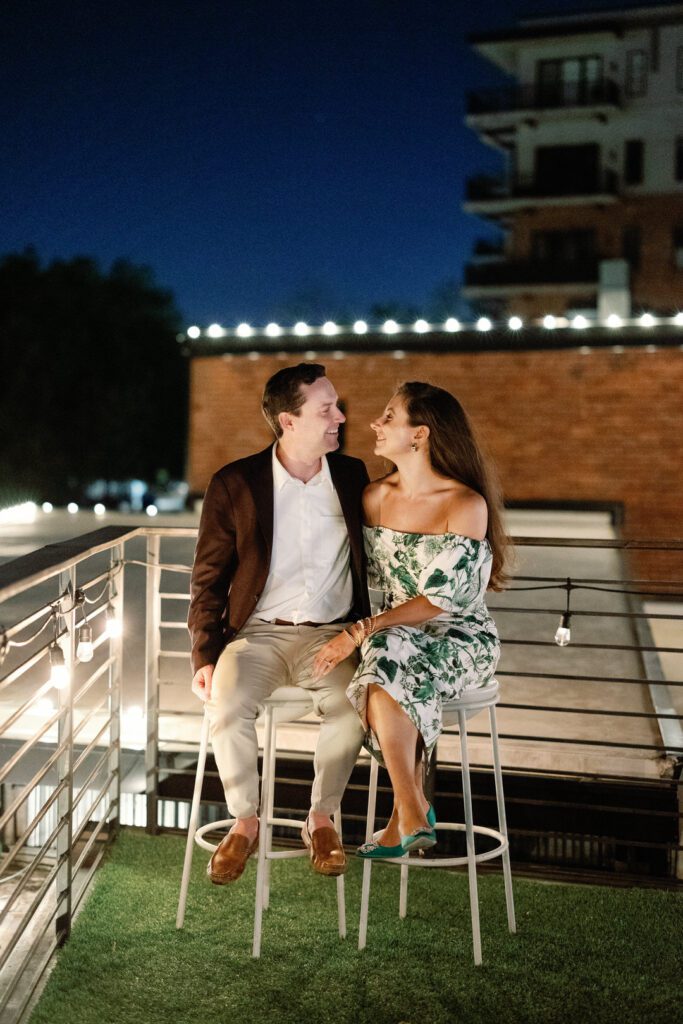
(114, 625)
(72, 508)
(563, 634)
(59, 673)
(47, 507)
(99, 509)
(85, 650)
(421, 326)
(152, 510)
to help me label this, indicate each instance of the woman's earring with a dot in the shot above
(414, 446)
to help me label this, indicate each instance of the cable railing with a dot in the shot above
(63, 721)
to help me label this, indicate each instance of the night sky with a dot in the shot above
(251, 153)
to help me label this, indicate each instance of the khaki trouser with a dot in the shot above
(259, 660)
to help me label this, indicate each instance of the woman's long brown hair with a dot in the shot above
(455, 453)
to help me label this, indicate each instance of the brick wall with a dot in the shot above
(562, 425)
(657, 284)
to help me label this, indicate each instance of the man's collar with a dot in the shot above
(282, 477)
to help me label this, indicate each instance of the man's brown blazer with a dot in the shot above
(235, 542)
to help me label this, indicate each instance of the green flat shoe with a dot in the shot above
(419, 839)
(373, 851)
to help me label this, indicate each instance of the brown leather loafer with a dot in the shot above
(230, 858)
(327, 852)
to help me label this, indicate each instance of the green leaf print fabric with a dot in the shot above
(421, 666)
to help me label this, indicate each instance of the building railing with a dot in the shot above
(60, 796)
(512, 272)
(487, 188)
(534, 96)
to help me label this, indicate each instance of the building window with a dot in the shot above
(679, 69)
(636, 73)
(563, 246)
(678, 247)
(630, 245)
(633, 162)
(678, 161)
(567, 82)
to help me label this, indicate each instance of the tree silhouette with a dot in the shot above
(93, 382)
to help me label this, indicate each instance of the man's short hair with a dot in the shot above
(282, 392)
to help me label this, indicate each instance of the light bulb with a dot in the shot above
(47, 507)
(421, 326)
(84, 650)
(579, 322)
(360, 327)
(59, 673)
(329, 327)
(215, 331)
(515, 323)
(273, 330)
(72, 507)
(549, 322)
(483, 324)
(563, 634)
(114, 627)
(193, 332)
(390, 327)
(244, 331)
(613, 320)
(678, 319)
(152, 510)
(647, 320)
(99, 509)
(452, 324)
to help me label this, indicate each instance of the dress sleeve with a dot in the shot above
(447, 579)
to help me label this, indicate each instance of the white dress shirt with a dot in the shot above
(309, 579)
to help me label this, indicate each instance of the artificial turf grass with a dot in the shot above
(608, 954)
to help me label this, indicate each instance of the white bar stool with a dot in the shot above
(470, 703)
(286, 704)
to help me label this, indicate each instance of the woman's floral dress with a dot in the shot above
(421, 666)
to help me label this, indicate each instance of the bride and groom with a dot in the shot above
(289, 540)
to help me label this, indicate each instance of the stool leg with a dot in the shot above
(403, 891)
(471, 863)
(263, 838)
(367, 864)
(502, 821)
(194, 814)
(341, 892)
(270, 812)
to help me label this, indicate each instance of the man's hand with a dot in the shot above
(201, 683)
(334, 651)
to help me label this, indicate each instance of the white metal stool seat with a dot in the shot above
(286, 704)
(470, 703)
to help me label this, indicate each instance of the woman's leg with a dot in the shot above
(398, 739)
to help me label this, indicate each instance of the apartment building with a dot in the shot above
(590, 203)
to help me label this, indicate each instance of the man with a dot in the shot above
(278, 571)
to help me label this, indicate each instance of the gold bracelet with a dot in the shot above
(352, 637)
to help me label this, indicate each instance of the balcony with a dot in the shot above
(500, 195)
(534, 97)
(591, 744)
(509, 276)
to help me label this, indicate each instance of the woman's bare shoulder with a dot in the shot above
(373, 496)
(468, 513)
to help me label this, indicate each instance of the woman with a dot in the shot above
(434, 540)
